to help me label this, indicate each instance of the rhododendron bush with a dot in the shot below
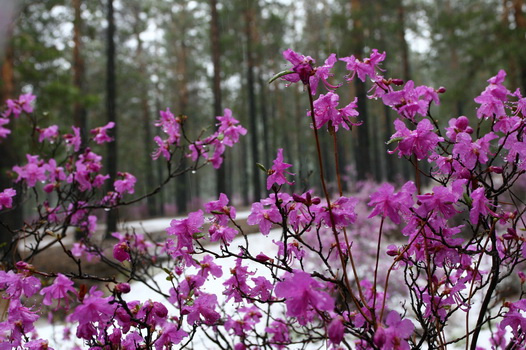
(390, 267)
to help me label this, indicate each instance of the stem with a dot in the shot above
(333, 226)
(377, 263)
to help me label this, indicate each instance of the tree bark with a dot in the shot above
(79, 110)
(11, 219)
(362, 147)
(111, 111)
(252, 113)
(221, 185)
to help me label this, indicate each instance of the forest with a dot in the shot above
(373, 149)
(197, 57)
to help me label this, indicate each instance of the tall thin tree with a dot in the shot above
(111, 111)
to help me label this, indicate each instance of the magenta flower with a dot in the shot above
(441, 200)
(170, 125)
(100, 133)
(364, 68)
(411, 100)
(302, 294)
(325, 110)
(74, 139)
(493, 98)
(336, 330)
(469, 153)
(185, 229)
(164, 149)
(418, 142)
(220, 209)
(229, 128)
(50, 133)
(208, 266)
(170, 335)
(264, 217)
(126, 184)
(204, 305)
(479, 206)
(304, 70)
(456, 126)
(3, 131)
(58, 290)
(342, 211)
(276, 174)
(396, 334)
(222, 233)
(514, 318)
(33, 172)
(23, 104)
(121, 251)
(388, 204)
(6, 198)
(17, 284)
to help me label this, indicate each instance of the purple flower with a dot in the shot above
(364, 68)
(204, 305)
(58, 290)
(418, 142)
(73, 139)
(325, 110)
(304, 70)
(23, 104)
(6, 198)
(50, 133)
(302, 294)
(276, 174)
(336, 330)
(100, 133)
(126, 184)
(3, 131)
(170, 125)
(264, 217)
(493, 98)
(229, 129)
(387, 203)
(456, 126)
(479, 205)
(170, 335)
(395, 335)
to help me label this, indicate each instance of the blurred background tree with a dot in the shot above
(199, 56)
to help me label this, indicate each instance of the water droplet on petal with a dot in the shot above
(106, 209)
(193, 171)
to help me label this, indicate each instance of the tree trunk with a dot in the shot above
(221, 174)
(252, 113)
(79, 110)
(362, 148)
(145, 111)
(11, 219)
(111, 157)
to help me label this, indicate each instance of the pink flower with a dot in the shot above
(74, 139)
(58, 290)
(364, 68)
(204, 305)
(6, 198)
(49, 133)
(164, 149)
(23, 104)
(229, 128)
(302, 294)
(479, 205)
(100, 133)
(17, 284)
(469, 153)
(121, 251)
(34, 171)
(411, 100)
(264, 217)
(223, 233)
(126, 184)
(276, 174)
(170, 335)
(185, 229)
(304, 70)
(170, 125)
(336, 330)
(387, 203)
(493, 98)
(418, 142)
(395, 336)
(456, 126)
(220, 209)
(3, 131)
(326, 111)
